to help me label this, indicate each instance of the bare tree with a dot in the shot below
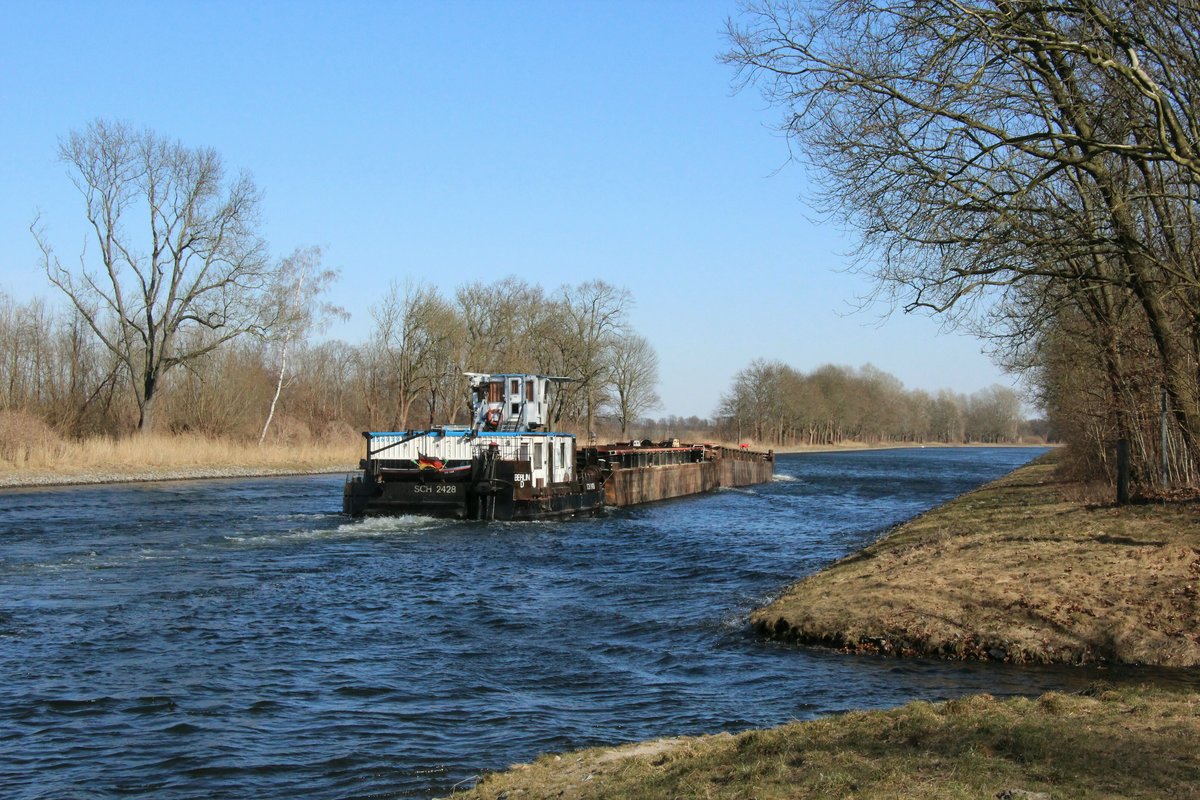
(501, 330)
(756, 403)
(414, 330)
(634, 375)
(299, 283)
(50, 366)
(496, 320)
(588, 320)
(1037, 156)
(946, 423)
(195, 261)
(773, 403)
(993, 415)
(444, 379)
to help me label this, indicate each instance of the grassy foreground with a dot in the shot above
(1122, 743)
(1020, 570)
(1015, 571)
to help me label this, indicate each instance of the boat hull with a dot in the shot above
(497, 499)
(505, 489)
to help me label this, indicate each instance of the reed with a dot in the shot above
(30, 448)
(158, 450)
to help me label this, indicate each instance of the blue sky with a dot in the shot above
(559, 142)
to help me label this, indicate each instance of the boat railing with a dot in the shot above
(505, 450)
(628, 457)
(746, 454)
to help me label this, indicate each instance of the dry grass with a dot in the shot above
(24, 438)
(1021, 570)
(50, 459)
(1113, 743)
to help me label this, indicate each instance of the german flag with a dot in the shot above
(429, 462)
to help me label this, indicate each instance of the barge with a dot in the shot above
(506, 466)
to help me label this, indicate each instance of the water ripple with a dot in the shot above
(231, 639)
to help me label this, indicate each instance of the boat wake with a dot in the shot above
(369, 527)
(385, 526)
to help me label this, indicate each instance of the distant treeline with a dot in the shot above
(409, 373)
(774, 404)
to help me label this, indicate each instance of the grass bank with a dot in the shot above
(1128, 743)
(160, 457)
(1019, 570)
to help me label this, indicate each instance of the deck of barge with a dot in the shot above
(648, 474)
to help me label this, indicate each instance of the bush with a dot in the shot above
(286, 429)
(338, 432)
(25, 439)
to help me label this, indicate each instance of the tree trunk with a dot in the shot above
(278, 389)
(1179, 379)
(146, 406)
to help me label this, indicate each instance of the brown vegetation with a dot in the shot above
(191, 275)
(775, 405)
(1029, 568)
(1020, 570)
(408, 374)
(40, 457)
(1106, 743)
(178, 321)
(25, 439)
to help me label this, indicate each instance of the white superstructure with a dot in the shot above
(551, 456)
(508, 412)
(510, 401)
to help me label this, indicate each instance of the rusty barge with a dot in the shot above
(505, 466)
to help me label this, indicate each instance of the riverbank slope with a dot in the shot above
(155, 457)
(1015, 571)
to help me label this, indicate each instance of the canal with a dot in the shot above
(237, 639)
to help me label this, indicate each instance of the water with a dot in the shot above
(241, 639)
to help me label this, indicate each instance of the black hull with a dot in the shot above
(465, 500)
(492, 486)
